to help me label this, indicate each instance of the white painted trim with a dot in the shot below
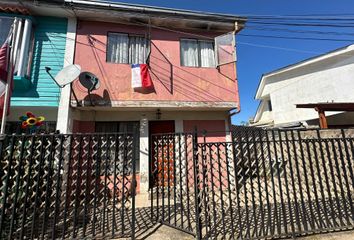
(159, 104)
(259, 111)
(144, 155)
(64, 120)
(227, 130)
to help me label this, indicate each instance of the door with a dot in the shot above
(159, 150)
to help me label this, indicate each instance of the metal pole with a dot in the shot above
(197, 185)
(134, 183)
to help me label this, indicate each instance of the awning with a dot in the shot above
(321, 108)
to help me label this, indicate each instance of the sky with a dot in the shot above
(259, 55)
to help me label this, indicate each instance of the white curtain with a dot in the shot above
(117, 51)
(207, 54)
(5, 25)
(189, 53)
(137, 49)
(129, 127)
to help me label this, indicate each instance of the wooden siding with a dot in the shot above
(49, 50)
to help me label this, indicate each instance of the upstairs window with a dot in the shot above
(22, 42)
(197, 53)
(5, 26)
(128, 49)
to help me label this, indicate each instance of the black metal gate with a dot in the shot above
(173, 196)
(262, 184)
(67, 186)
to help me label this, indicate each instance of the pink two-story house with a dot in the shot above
(191, 86)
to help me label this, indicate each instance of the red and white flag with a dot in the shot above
(141, 76)
(4, 75)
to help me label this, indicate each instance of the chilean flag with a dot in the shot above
(141, 76)
(4, 66)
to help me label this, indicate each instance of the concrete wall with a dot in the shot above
(172, 82)
(332, 80)
(215, 129)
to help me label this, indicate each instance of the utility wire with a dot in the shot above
(278, 48)
(303, 24)
(253, 35)
(300, 31)
(238, 42)
(297, 38)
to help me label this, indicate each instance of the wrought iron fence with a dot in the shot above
(67, 186)
(262, 184)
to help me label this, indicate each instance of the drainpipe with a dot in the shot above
(24, 48)
(238, 108)
(232, 113)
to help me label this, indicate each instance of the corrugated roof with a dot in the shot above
(154, 9)
(14, 10)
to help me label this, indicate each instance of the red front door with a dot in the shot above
(156, 152)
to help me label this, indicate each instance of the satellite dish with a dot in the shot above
(90, 82)
(65, 76)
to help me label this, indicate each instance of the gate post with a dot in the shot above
(134, 183)
(197, 181)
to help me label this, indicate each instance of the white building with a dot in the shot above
(322, 79)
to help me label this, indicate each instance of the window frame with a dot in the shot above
(148, 45)
(199, 52)
(28, 55)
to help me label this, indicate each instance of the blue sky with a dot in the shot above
(253, 60)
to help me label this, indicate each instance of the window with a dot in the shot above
(197, 53)
(123, 48)
(5, 25)
(23, 42)
(122, 127)
(270, 108)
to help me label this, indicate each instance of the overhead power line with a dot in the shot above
(297, 38)
(302, 24)
(278, 48)
(316, 32)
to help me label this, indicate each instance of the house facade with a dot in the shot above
(194, 76)
(190, 89)
(323, 79)
(41, 40)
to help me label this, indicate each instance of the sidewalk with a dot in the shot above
(347, 235)
(162, 232)
(167, 233)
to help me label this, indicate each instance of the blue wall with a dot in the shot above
(49, 50)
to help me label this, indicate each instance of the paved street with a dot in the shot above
(167, 233)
